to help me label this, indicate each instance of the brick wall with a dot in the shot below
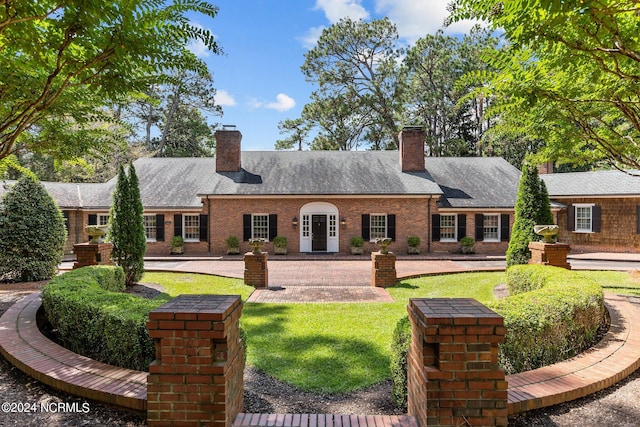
(75, 230)
(618, 231)
(498, 248)
(226, 219)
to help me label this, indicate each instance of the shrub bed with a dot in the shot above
(94, 318)
(552, 314)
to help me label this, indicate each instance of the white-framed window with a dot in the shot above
(150, 227)
(377, 226)
(260, 226)
(584, 218)
(191, 228)
(332, 226)
(491, 228)
(448, 228)
(103, 219)
(305, 226)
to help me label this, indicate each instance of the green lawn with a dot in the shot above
(331, 348)
(337, 348)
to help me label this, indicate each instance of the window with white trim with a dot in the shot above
(332, 226)
(584, 218)
(150, 227)
(103, 219)
(260, 226)
(491, 228)
(191, 228)
(377, 226)
(448, 228)
(305, 225)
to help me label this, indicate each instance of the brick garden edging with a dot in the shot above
(24, 346)
(613, 359)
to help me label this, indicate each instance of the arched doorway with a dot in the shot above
(319, 227)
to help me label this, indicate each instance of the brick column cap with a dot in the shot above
(201, 307)
(450, 311)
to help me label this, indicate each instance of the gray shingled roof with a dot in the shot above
(475, 182)
(71, 195)
(320, 173)
(596, 183)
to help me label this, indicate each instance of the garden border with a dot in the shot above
(610, 361)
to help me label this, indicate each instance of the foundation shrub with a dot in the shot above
(559, 317)
(94, 318)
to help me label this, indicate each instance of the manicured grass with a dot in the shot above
(329, 348)
(617, 282)
(188, 283)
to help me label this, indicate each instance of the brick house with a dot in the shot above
(318, 200)
(599, 211)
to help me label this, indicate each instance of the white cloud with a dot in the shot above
(310, 39)
(417, 18)
(224, 98)
(283, 103)
(335, 10)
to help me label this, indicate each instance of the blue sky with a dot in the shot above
(258, 78)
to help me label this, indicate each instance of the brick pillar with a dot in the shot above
(92, 254)
(554, 254)
(197, 377)
(256, 272)
(452, 368)
(383, 269)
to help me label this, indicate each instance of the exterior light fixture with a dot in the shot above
(295, 221)
(343, 222)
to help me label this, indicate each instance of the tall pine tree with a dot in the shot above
(532, 208)
(126, 230)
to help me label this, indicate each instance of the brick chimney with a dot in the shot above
(412, 149)
(228, 149)
(545, 168)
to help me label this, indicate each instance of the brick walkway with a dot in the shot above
(319, 294)
(323, 420)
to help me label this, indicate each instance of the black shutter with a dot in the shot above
(391, 226)
(504, 227)
(273, 226)
(204, 228)
(160, 228)
(435, 228)
(177, 225)
(93, 219)
(596, 223)
(366, 221)
(462, 226)
(571, 219)
(479, 227)
(246, 227)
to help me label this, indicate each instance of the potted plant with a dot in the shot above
(413, 243)
(357, 245)
(233, 245)
(177, 245)
(383, 243)
(467, 244)
(256, 245)
(280, 245)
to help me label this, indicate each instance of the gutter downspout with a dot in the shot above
(430, 225)
(209, 225)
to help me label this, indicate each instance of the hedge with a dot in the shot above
(552, 314)
(94, 318)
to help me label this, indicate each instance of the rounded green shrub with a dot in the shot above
(94, 318)
(32, 233)
(552, 315)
